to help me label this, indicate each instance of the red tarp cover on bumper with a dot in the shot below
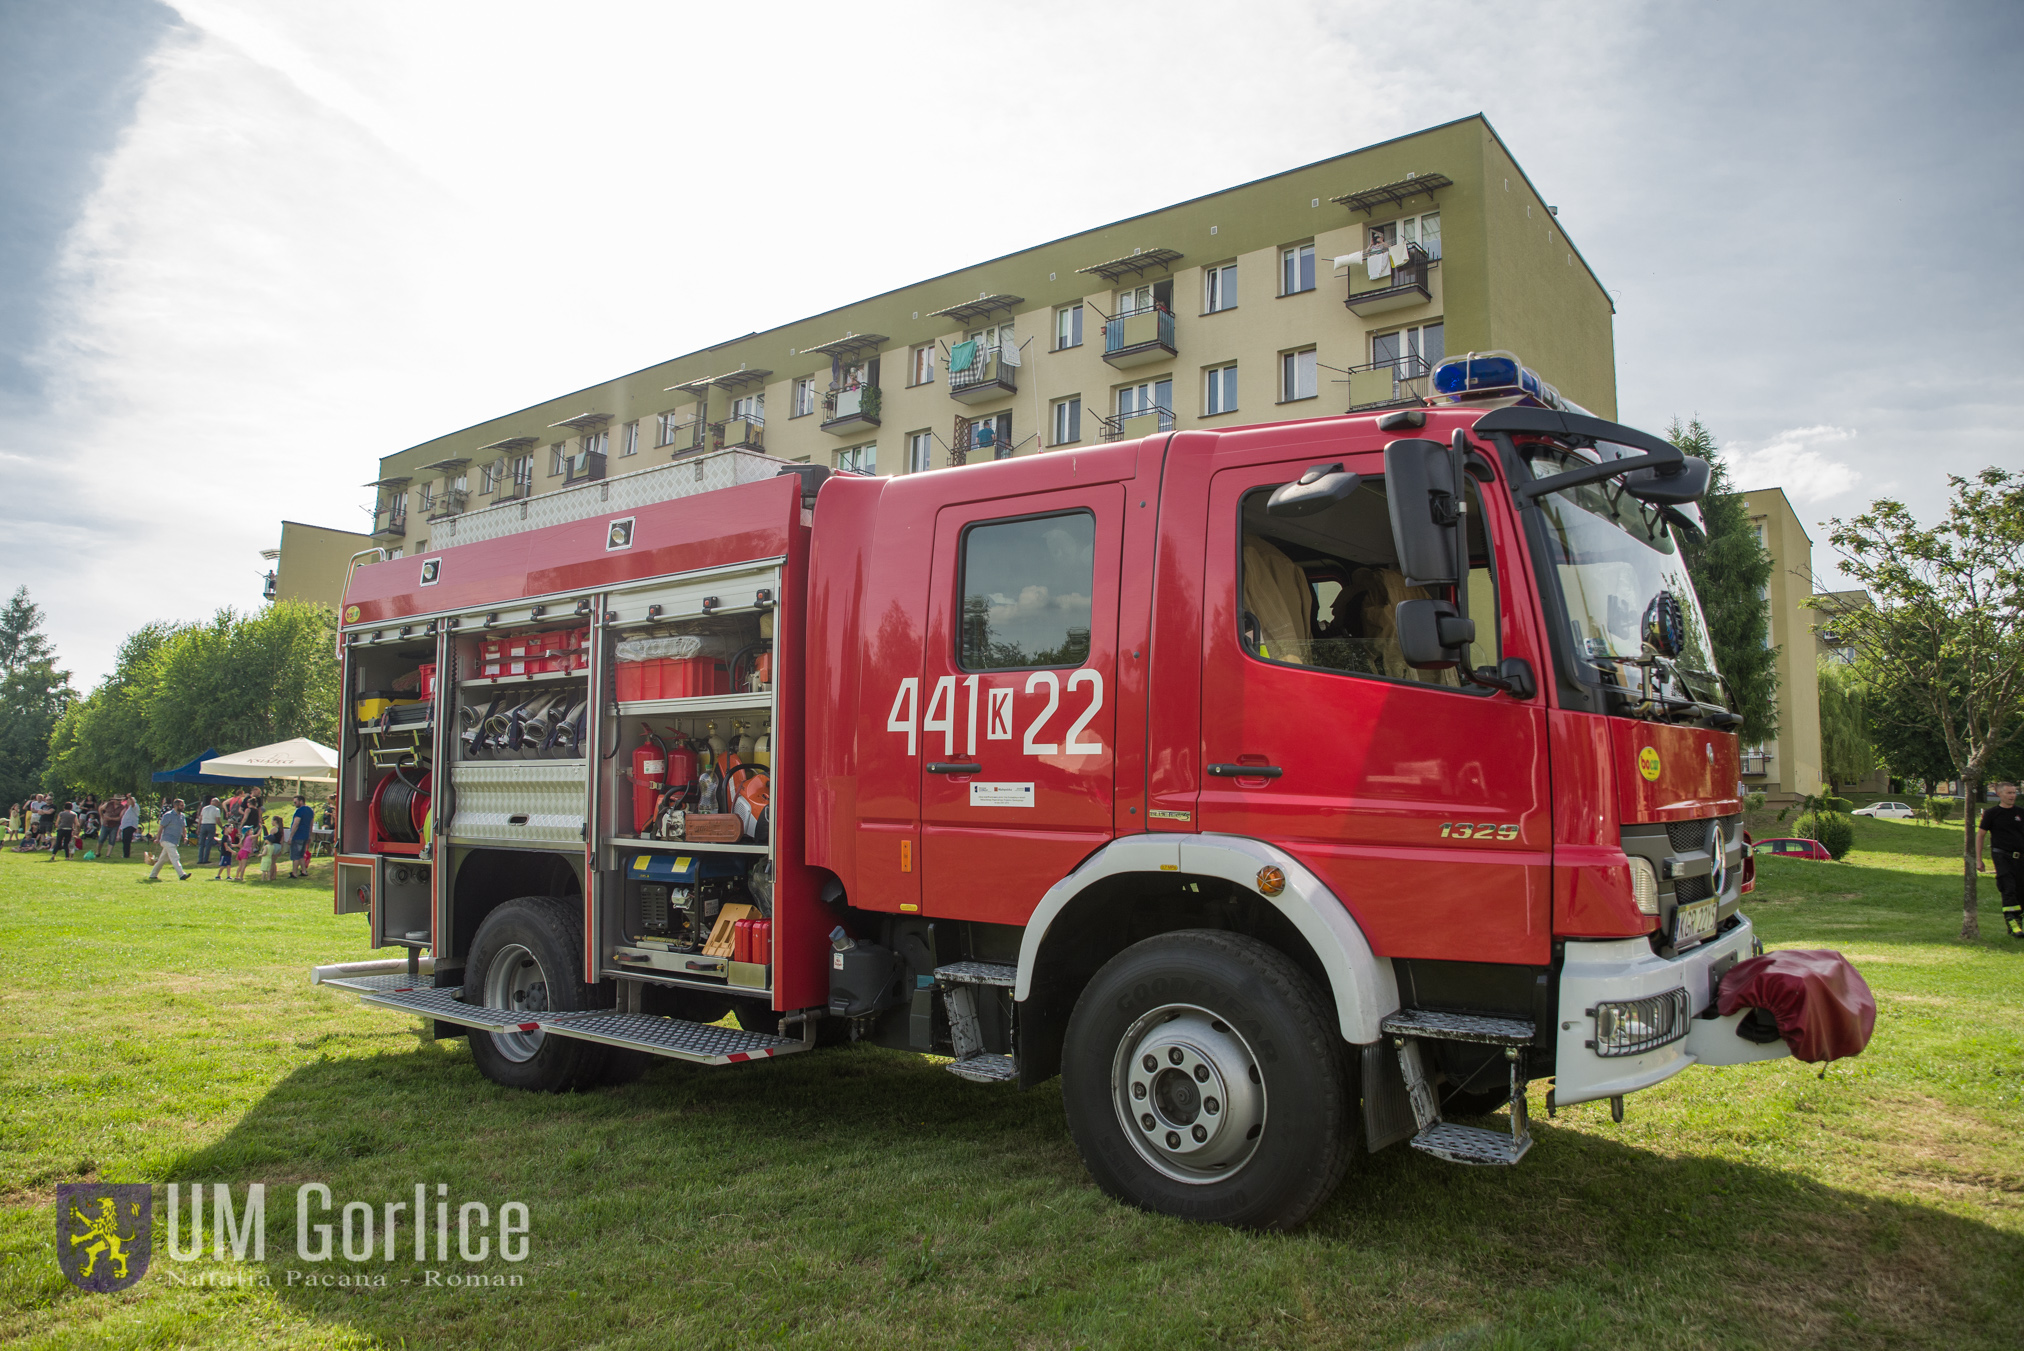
(1823, 1006)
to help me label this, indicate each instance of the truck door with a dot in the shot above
(1422, 801)
(1017, 709)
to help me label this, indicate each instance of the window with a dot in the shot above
(629, 439)
(992, 337)
(1424, 231)
(1153, 396)
(1296, 269)
(1410, 352)
(523, 471)
(462, 483)
(923, 365)
(596, 443)
(429, 495)
(1068, 421)
(801, 397)
(1026, 589)
(992, 433)
(1322, 591)
(1068, 327)
(1296, 375)
(858, 459)
(1221, 396)
(489, 476)
(920, 452)
(669, 424)
(558, 459)
(1158, 295)
(750, 407)
(1219, 288)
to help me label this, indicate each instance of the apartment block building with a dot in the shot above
(1328, 288)
(1788, 766)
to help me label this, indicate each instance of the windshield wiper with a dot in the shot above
(1649, 705)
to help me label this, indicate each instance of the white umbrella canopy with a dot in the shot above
(298, 759)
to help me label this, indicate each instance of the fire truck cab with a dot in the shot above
(1289, 791)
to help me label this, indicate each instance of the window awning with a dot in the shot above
(513, 443)
(582, 422)
(1136, 264)
(450, 465)
(983, 307)
(1393, 194)
(850, 346)
(391, 481)
(730, 380)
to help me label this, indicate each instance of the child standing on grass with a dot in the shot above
(249, 841)
(13, 823)
(270, 857)
(228, 851)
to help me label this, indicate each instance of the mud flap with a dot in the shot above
(1387, 1110)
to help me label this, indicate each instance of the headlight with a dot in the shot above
(1634, 1026)
(1644, 885)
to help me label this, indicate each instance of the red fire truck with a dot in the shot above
(1287, 790)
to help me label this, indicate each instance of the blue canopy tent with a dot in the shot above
(193, 772)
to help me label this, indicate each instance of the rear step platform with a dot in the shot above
(676, 1038)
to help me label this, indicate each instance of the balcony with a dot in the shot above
(849, 411)
(1405, 284)
(1755, 764)
(985, 376)
(513, 490)
(451, 503)
(1148, 421)
(390, 522)
(585, 466)
(748, 432)
(1139, 338)
(1398, 383)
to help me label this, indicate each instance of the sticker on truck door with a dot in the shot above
(1001, 795)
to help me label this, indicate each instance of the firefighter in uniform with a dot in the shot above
(2003, 835)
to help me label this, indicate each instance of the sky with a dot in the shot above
(246, 248)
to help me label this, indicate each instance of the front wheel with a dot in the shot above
(1204, 1077)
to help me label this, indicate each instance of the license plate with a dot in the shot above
(1692, 923)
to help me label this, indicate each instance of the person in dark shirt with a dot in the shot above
(2003, 836)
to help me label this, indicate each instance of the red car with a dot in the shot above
(1793, 848)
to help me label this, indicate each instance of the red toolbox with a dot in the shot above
(672, 678)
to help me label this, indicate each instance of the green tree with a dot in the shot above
(22, 641)
(33, 696)
(1945, 633)
(244, 680)
(101, 742)
(1846, 754)
(1729, 569)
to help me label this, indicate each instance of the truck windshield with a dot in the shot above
(1613, 556)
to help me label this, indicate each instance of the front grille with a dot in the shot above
(1687, 890)
(1687, 835)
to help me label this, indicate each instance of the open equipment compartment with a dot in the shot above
(385, 856)
(690, 857)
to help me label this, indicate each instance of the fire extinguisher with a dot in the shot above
(649, 775)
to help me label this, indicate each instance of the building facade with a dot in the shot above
(312, 562)
(1324, 289)
(1788, 766)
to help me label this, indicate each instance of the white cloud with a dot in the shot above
(1804, 461)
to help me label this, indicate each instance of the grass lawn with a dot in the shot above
(862, 1197)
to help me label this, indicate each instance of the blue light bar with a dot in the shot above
(1497, 378)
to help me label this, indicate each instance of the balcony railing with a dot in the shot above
(1756, 763)
(1405, 284)
(1148, 421)
(987, 376)
(269, 585)
(449, 503)
(513, 489)
(749, 432)
(584, 466)
(846, 411)
(390, 522)
(1138, 338)
(1398, 383)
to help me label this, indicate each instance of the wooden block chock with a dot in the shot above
(720, 932)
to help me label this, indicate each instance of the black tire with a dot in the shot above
(548, 930)
(1242, 1006)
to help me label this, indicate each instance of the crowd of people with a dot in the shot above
(238, 828)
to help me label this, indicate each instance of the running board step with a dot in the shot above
(977, 973)
(697, 1043)
(1459, 1027)
(986, 1069)
(1471, 1144)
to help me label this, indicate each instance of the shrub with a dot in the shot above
(1833, 829)
(1939, 808)
(1837, 804)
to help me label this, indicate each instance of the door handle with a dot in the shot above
(1245, 771)
(955, 769)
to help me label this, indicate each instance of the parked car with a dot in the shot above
(1896, 811)
(1794, 848)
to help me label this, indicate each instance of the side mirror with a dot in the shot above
(1686, 482)
(1420, 488)
(1316, 491)
(1431, 634)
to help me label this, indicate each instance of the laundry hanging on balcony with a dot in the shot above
(1008, 355)
(1401, 254)
(962, 356)
(1378, 264)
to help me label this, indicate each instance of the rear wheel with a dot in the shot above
(527, 957)
(1204, 1077)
